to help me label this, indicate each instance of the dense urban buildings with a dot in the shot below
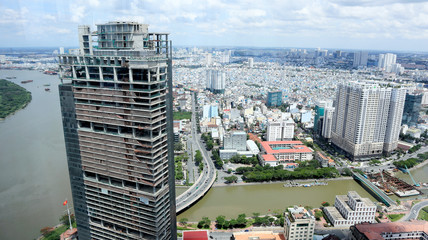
(351, 209)
(299, 224)
(390, 231)
(367, 118)
(118, 130)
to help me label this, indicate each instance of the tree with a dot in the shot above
(64, 219)
(241, 220)
(178, 146)
(198, 157)
(204, 223)
(256, 214)
(347, 172)
(209, 145)
(231, 179)
(318, 215)
(325, 204)
(220, 221)
(233, 223)
(183, 221)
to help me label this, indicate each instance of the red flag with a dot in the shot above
(64, 203)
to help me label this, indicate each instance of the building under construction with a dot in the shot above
(392, 185)
(117, 117)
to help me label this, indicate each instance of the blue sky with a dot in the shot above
(353, 24)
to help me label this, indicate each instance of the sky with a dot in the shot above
(343, 24)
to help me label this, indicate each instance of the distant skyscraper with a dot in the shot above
(367, 118)
(386, 61)
(274, 99)
(360, 59)
(412, 106)
(216, 81)
(327, 122)
(250, 62)
(208, 59)
(319, 115)
(116, 103)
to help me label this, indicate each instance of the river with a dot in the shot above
(33, 168)
(34, 177)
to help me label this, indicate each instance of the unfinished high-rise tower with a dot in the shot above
(116, 102)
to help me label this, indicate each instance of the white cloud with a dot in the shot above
(218, 20)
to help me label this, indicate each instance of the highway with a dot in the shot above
(414, 211)
(207, 176)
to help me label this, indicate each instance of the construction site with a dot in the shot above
(392, 185)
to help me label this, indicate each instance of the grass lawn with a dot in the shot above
(182, 115)
(423, 214)
(395, 217)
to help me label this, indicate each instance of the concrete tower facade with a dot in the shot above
(116, 105)
(367, 118)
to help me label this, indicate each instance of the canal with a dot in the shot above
(266, 198)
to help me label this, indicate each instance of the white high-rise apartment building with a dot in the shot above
(280, 130)
(208, 59)
(386, 61)
(251, 62)
(351, 209)
(360, 59)
(216, 81)
(367, 118)
(327, 123)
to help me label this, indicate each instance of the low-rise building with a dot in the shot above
(283, 152)
(265, 235)
(198, 234)
(299, 224)
(390, 231)
(252, 147)
(324, 160)
(351, 209)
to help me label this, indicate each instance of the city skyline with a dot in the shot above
(382, 25)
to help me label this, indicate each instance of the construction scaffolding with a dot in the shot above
(392, 185)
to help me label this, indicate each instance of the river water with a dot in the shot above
(34, 177)
(33, 169)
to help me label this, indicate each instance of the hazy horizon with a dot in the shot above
(385, 25)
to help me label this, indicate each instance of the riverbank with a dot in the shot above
(283, 182)
(12, 98)
(420, 165)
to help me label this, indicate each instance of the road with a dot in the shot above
(414, 211)
(387, 165)
(207, 176)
